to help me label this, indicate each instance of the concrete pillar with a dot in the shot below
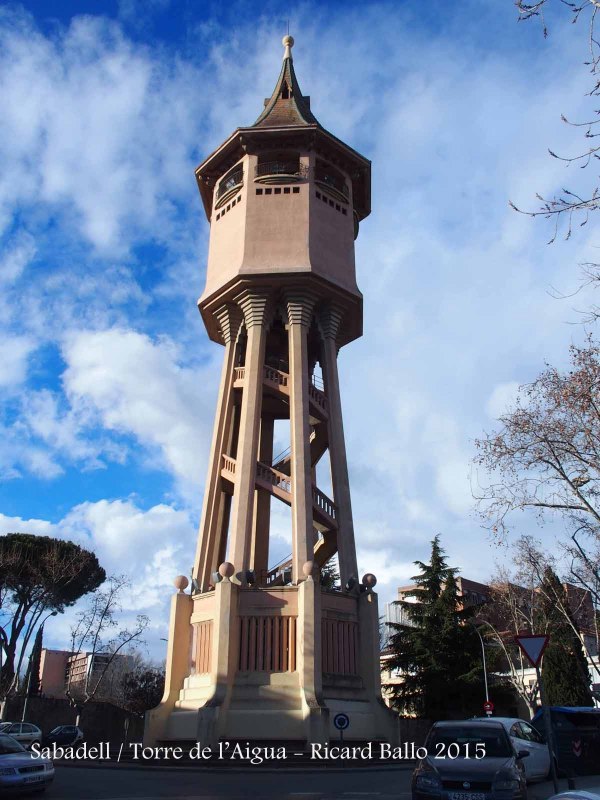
(209, 545)
(177, 667)
(259, 559)
(369, 649)
(329, 322)
(254, 306)
(299, 307)
(225, 658)
(315, 712)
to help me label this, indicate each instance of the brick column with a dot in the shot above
(329, 323)
(299, 307)
(209, 544)
(254, 306)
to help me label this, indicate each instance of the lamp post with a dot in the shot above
(485, 680)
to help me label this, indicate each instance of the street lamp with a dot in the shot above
(485, 680)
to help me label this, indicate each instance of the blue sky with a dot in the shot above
(108, 379)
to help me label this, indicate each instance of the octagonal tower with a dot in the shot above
(261, 651)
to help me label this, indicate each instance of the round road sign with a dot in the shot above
(488, 706)
(341, 721)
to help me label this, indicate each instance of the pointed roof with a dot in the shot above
(287, 105)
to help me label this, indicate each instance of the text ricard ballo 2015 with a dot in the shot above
(252, 754)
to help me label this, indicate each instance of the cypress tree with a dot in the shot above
(565, 670)
(31, 684)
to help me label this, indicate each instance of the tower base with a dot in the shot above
(272, 664)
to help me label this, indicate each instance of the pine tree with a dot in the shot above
(564, 667)
(437, 655)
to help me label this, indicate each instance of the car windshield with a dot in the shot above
(452, 741)
(9, 745)
(5, 725)
(56, 730)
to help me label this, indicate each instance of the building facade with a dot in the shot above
(63, 673)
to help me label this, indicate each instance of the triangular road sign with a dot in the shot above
(533, 646)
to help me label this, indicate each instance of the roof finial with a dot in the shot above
(288, 43)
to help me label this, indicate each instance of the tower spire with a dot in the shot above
(287, 105)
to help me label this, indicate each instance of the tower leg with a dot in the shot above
(254, 308)
(329, 322)
(211, 527)
(299, 307)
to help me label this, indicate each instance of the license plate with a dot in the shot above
(34, 779)
(467, 796)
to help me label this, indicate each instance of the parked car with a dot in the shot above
(576, 738)
(24, 732)
(525, 737)
(470, 760)
(64, 735)
(578, 794)
(20, 769)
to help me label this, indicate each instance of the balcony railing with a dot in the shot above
(291, 169)
(232, 181)
(333, 181)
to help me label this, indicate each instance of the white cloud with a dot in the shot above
(14, 355)
(137, 386)
(86, 117)
(17, 255)
(502, 399)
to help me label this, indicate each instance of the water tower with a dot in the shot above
(259, 651)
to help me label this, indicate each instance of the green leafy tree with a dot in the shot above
(38, 575)
(437, 654)
(564, 667)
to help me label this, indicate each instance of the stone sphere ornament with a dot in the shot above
(369, 580)
(226, 570)
(181, 583)
(309, 569)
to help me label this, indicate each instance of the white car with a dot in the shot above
(525, 737)
(20, 769)
(24, 732)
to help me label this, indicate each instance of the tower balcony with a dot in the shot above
(280, 171)
(230, 184)
(331, 180)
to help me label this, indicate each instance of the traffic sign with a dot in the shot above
(488, 706)
(341, 721)
(532, 646)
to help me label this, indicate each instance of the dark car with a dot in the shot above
(469, 760)
(64, 736)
